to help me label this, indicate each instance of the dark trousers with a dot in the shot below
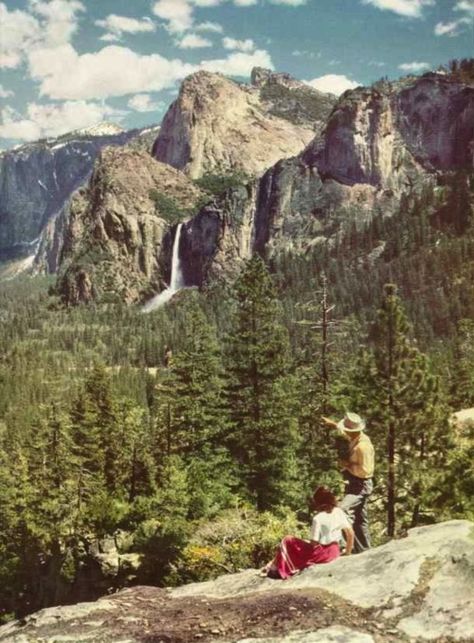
(354, 503)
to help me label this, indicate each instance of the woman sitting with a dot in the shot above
(329, 524)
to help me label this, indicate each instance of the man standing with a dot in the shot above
(358, 471)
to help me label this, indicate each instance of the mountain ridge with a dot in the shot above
(37, 178)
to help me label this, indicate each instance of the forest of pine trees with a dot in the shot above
(194, 432)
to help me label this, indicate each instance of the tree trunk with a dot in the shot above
(391, 479)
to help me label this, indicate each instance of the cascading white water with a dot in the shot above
(176, 280)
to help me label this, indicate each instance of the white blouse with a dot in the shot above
(327, 527)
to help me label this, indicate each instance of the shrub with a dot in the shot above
(167, 207)
(239, 538)
(216, 184)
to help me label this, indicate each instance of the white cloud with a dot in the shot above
(19, 31)
(307, 54)
(145, 103)
(5, 93)
(53, 24)
(447, 28)
(241, 45)
(109, 37)
(64, 74)
(414, 66)
(59, 19)
(376, 63)
(408, 8)
(194, 41)
(332, 83)
(177, 13)
(466, 6)
(117, 25)
(455, 27)
(114, 71)
(53, 119)
(209, 26)
(239, 63)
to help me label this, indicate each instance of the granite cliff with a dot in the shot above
(107, 239)
(37, 179)
(379, 144)
(218, 125)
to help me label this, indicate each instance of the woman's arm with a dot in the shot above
(349, 536)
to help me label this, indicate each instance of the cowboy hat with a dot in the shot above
(351, 423)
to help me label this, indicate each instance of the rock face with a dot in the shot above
(37, 179)
(108, 238)
(217, 125)
(379, 143)
(390, 133)
(415, 589)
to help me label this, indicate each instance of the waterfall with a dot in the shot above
(176, 280)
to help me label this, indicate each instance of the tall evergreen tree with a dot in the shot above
(192, 416)
(262, 390)
(462, 367)
(402, 399)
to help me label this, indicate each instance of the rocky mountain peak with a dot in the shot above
(37, 178)
(112, 231)
(217, 125)
(100, 129)
(388, 134)
(260, 77)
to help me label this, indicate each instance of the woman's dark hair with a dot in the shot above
(324, 500)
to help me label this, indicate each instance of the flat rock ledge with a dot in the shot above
(419, 588)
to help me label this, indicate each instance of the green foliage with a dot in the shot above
(462, 69)
(298, 105)
(101, 432)
(167, 207)
(237, 539)
(215, 184)
(454, 497)
(396, 386)
(170, 210)
(262, 390)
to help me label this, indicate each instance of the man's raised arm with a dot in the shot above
(329, 422)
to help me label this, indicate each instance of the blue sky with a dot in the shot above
(68, 64)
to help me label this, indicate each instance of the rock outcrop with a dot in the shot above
(379, 143)
(108, 239)
(415, 589)
(387, 135)
(37, 179)
(218, 125)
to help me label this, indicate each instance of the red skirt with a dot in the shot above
(295, 554)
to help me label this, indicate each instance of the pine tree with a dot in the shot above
(192, 418)
(462, 368)
(262, 391)
(200, 418)
(315, 381)
(403, 404)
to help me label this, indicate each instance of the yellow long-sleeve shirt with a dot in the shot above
(360, 462)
